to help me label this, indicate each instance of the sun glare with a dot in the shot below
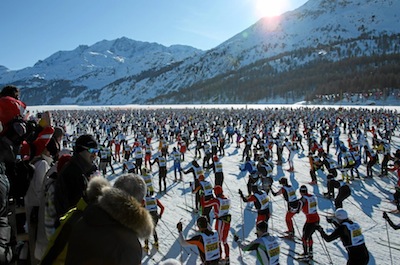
(269, 8)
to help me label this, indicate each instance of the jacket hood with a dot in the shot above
(127, 210)
(96, 187)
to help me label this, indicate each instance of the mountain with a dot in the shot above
(323, 47)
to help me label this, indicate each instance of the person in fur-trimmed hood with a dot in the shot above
(109, 231)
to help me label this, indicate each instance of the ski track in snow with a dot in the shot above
(363, 207)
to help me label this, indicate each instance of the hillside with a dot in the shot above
(322, 48)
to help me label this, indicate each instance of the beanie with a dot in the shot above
(9, 109)
(330, 176)
(202, 222)
(85, 142)
(341, 214)
(133, 185)
(303, 189)
(217, 190)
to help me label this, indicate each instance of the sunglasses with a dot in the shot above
(91, 150)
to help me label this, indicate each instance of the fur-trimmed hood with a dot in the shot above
(126, 210)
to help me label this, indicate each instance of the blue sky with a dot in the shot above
(32, 30)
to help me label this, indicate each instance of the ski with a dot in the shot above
(391, 243)
(387, 245)
(189, 209)
(283, 235)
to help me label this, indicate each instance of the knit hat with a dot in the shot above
(303, 189)
(133, 185)
(341, 214)
(202, 222)
(9, 109)
(85, 142)
(330, 176)
(42, 140)
(217, 190)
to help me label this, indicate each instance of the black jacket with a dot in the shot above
(109, 231)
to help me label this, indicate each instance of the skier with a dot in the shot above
(106, 157)
(250, 166)
(176, 156)
(151, 203)
(216, 165)
(261, 202)
(264, 169)
(308, 204)
(206, 242)
(221, 205)
(289, 194)
(267, 246)
(197, 170)
(372, 159)
(351, 236)
(292, 152)
(396, 195)
(162, 171)
(204, 190)
(330, 164)
(315, 165)
(138, 154)
(343, 188)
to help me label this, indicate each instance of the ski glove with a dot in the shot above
(385, 216)
(235, 238)
(179, 226)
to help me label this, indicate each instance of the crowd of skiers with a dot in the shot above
(67, 199)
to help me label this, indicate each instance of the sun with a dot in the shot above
(269, 8)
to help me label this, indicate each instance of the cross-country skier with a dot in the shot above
(221, 205)
(267, 246)
(351, 236)
(261, 202)
(308, 204)
(289, 194)
(204, 189)
(343, 191)
(151, 203)
(206, 242)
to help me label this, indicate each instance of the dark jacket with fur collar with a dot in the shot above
(109, 231)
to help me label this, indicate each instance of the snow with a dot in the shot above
(369, 198)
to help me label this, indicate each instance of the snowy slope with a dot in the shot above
(369, 198)
(111, 72)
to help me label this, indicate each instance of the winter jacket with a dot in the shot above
(71, 184)
(109, 231)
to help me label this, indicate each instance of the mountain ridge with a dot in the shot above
(318, 33)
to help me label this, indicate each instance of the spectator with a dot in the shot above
(109, 230)
(73, 178)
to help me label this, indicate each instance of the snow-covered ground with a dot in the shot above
(368, 200)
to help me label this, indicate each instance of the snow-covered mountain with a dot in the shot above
(124, 71)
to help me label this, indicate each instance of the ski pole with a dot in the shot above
(162, 221)
(183, 189)
(325, 248)
(390, 249)
(241, 210)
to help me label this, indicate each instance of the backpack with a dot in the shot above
(24, 171)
